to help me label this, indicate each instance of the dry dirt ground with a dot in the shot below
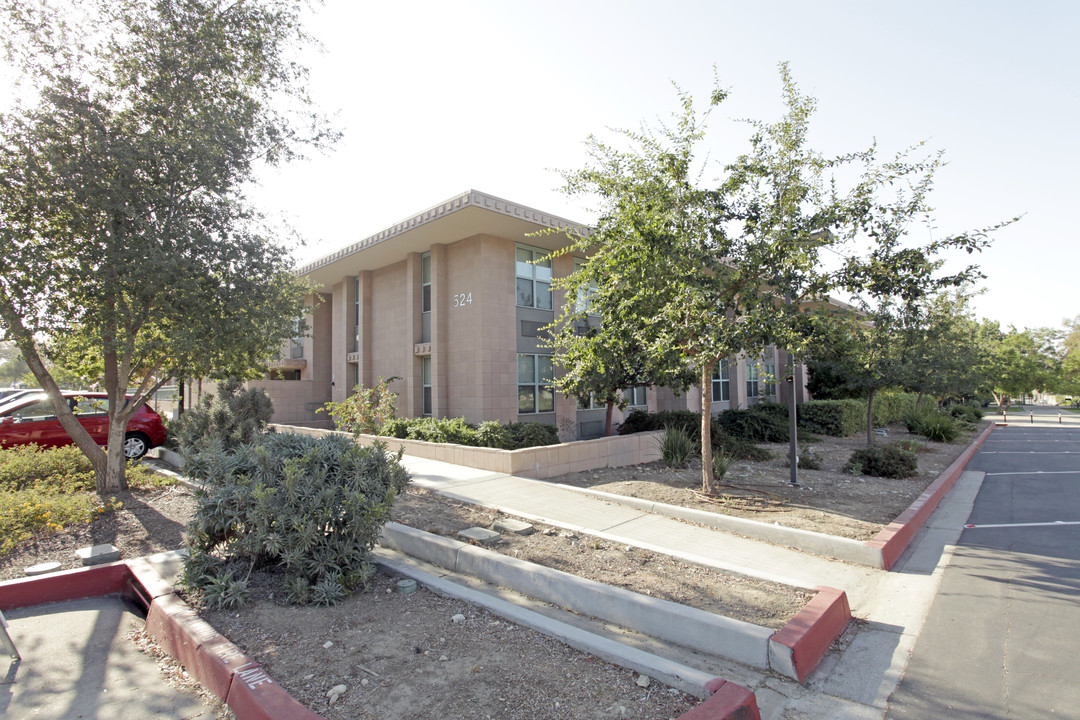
(827, 500)
(424, 656)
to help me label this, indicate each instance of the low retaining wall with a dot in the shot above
(535, 462)
(795, 651)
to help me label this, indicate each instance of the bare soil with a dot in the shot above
(828, 500)
(425, 656)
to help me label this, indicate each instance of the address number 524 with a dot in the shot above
(462, 299)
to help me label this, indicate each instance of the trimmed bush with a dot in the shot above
(838, 418)
(314, 505)
(532, 434)
(887, 461)
(491, 433)
(891, 407)
(755, 425)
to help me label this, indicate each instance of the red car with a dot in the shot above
(31, 419)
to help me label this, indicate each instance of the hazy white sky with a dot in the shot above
(439, 97)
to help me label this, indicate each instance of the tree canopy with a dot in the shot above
(131, 251)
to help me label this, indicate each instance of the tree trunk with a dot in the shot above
(113, 477)
(709, 485)
(607, 417)
(870, 418)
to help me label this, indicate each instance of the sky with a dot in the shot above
(435, 98)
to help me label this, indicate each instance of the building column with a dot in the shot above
(412, 399)
(440, 337)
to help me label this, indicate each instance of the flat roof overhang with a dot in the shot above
(471, 213)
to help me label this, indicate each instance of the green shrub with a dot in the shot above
(721, 463)
(966, 413)
(365, 410)
(494, 434)
(933, 425)
(532, 434)
(891, 407)
(233, 416)
(910, 445)
(314, 505)
(676, 447)
(838, 418)
(641, 421)
(808, 460)
(888, 461)
(754, 425)
(690, 423)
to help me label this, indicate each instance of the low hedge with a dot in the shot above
(456, 431)
(690, 423)
(838, 418)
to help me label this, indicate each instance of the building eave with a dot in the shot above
(466, 215)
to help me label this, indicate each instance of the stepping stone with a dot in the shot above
(98, 554)
(42, 568)
(517, 527)
(479, 534)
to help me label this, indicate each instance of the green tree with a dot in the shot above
(892, 282)
(942, 357)
(130, 250)
(1070, 358)
(1018, 362)
(697, 274)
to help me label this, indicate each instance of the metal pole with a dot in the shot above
(793, 425)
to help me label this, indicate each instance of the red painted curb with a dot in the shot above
(727, 702)
(209, 656)
(108, 579)
(812, 631)
(894, 539)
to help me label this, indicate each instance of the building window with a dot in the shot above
(590, 403)
(356, 314)
(768, 377)
(636, 396)
(296, 344)
(535, 394)
(425, 282)
(752, 379)
(425, 373)
(585, 293)
(721, 382)
(533, 278)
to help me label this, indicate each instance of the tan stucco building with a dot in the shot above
(450, 302)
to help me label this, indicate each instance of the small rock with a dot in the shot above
(327, 645)
(365, 682)
(458, 618)
(642, 681)
(335, 692)
(309, 676)
(443, 658)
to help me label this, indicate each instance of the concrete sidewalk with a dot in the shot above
(77, 662)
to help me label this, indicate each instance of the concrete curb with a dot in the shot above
(794, 651)
(798, 648)
(830, 546)
(894, 539)
(209, 656)
(723, 700)
(881, 552)
(685, 626)
(728, 702)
